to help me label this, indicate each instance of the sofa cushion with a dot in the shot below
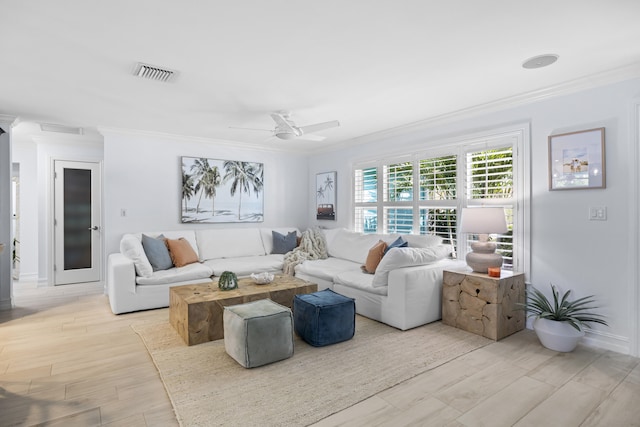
(157, 252)
(352, 246)
(131, 247)
(422, 240)
(358, 280)
(374, 257)
(407, 257)
(267, 236)
(283, 243)
(181, 252)
(331, 233)
(229, 243)
(193, 271)
(244, 266)
(326, 269)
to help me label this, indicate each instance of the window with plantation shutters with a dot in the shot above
(438, 178)
(365, 198)
(490, 183)
(424, 192)
(490, 174)
(398, 182)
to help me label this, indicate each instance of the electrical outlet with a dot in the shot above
(598, 213)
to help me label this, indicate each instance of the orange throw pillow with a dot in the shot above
(373, 258)
(181, 252)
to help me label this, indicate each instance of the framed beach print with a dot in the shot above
(326, 195)
(577, 160)
(216, 191)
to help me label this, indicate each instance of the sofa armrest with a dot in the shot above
(121, 281)
(416, 293)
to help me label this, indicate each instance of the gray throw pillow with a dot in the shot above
(283, 244)
(157, 252)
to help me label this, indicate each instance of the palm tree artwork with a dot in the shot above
(326, 196)
(188, 188)
(227, 184)
(244, 177)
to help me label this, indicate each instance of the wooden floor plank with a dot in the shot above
(66, 360)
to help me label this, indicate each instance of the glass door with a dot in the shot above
(77, 222)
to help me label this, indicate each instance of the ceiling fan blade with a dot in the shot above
(311, 137)
(263, 130)
(281, 122)
(318, 127)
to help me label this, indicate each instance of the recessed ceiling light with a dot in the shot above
(539, 61)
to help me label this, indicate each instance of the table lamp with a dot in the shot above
(483, 221)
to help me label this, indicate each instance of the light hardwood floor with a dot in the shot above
(66, 360)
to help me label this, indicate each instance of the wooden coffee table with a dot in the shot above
(195, 311)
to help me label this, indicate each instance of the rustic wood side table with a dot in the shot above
(483, 305)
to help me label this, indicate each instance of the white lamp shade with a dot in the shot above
(483, 221)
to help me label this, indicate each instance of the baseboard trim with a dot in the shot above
(607, 341)
(6, 304)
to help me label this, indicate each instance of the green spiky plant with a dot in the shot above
(562, 310)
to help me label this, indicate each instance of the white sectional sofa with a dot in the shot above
(132, 285)
(406, 289)
(404, 292)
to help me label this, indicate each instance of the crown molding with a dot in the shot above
(8, 121)
(620, 74)
(197, 139)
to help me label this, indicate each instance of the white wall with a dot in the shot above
(142, 174)
(568, 250)
(24, 152)
(6, 294)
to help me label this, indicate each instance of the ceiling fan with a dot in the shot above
(287, 129)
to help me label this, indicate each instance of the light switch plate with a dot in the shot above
(598, 213)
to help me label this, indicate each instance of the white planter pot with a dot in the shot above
(558, 336)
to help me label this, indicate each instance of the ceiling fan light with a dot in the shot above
(285, 135)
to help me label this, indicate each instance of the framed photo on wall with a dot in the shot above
(577, 160)
(326, 195)
(215, 190)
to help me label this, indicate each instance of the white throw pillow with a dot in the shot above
(131, 247)
(422, 240)
(406, 257)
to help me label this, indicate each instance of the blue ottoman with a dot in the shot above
(324, 317)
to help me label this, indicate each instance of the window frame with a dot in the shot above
(517, 137)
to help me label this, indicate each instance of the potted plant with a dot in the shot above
(558, 325)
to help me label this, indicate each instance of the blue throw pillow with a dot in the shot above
(157, 252)
(398, 243)
(283, 244)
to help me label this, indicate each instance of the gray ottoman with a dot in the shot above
(258, 332)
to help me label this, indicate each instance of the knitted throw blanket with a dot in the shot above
(312, 246)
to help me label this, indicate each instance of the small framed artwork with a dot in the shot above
(326, 195)
(577, 160)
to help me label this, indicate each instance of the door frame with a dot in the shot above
(51, 213)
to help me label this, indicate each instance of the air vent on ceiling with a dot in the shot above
(48, 127)
(153, 72)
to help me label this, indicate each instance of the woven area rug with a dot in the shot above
(208, 388)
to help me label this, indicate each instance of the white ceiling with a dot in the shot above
(372, 65)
